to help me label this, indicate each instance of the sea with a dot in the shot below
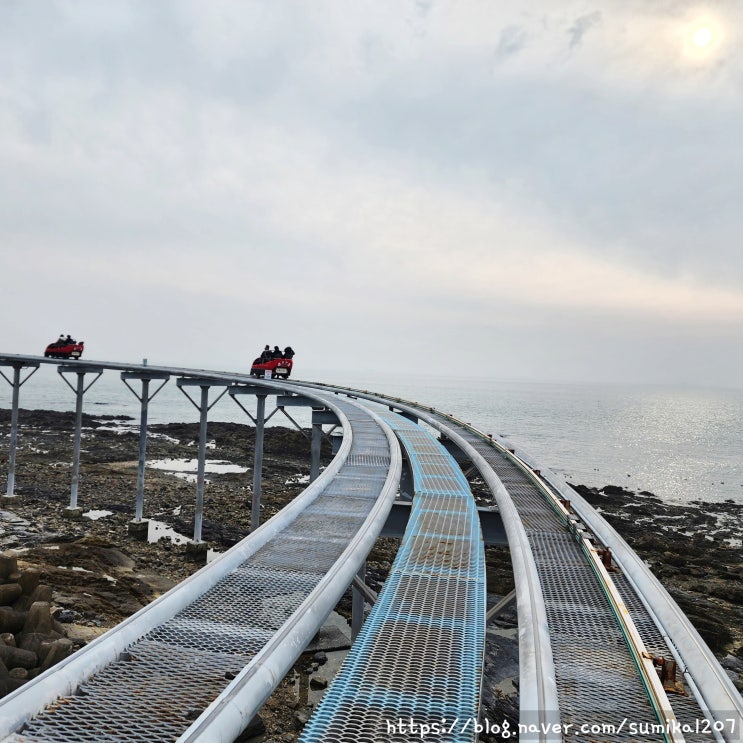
(682, 444)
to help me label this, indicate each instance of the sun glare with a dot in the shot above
(703, 39)
(702, 36)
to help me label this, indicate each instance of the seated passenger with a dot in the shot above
(266, 355)
(288, 352)
(276, 353)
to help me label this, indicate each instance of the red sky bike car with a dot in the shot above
(65, 349)
(279, 368)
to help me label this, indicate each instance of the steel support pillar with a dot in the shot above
(138, 526)
(260, 427)
(315, 451)
(72, 511)
(16, 384)
(357, 602)
(259, 421)
(197, 545)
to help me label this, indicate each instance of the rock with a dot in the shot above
(66, 616)
(10, 620)
(9, 592)
(17, 657)
(8, 565)
(732, 663)
(29, 581)
(320, 657)
(58, 651)
(318, 683)
(300, 719)
(39, 619)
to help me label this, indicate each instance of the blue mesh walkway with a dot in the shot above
(417, 663)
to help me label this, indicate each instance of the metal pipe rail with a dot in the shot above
(712, 686)
(432, 605)
(538, 700)
(185, 648)
(653, 617)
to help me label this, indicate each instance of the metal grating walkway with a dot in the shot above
(597, 680)
(165, 680)
(418, 660)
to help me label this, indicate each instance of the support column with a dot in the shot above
(72, 511)
(10, 496)
(357, 603)
(139, 527)
(315, 450)
(260, 427)
(259, 421)
(196, 546)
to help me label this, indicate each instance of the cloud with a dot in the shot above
(581, 26)
(557, 167)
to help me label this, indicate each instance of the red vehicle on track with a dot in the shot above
(65, 349)
(279, 368)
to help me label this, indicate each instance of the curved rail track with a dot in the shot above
(599, 637)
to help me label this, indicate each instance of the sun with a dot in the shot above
(702, 36)
(702, 39)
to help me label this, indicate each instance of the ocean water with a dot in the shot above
(682, 444)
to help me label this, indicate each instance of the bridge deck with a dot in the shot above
(418, 660)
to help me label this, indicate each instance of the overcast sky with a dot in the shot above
(522, 189)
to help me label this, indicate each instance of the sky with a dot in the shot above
(519, 189)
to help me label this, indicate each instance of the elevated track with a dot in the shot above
(601, 643)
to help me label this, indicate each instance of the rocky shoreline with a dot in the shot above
(93, 573)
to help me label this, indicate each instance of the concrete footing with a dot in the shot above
(9, 500)
(139, 529)
(72, 513)
(197, 550)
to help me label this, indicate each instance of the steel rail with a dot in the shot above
(718, 694)
(717, 697)
(265, 669)
(63, 678)
(538, 698)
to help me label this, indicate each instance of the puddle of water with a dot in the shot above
(95, 515)
(298, 479)
(186, 469)
(156, 530)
